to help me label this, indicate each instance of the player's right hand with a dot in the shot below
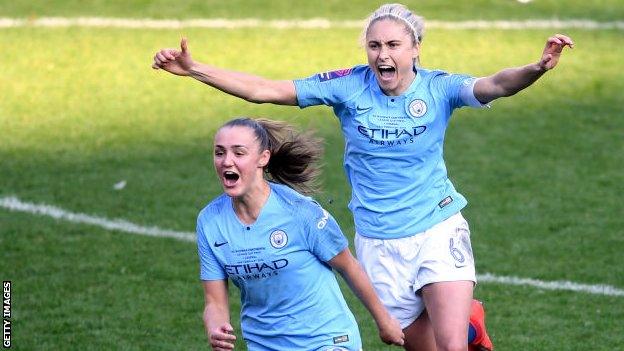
(222, 338)
(391, 333)
(178, 62)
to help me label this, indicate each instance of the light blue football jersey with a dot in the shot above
(393, 154)
(290, 298)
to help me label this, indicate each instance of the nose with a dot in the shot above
(227, 160)
(383, 52)
(383, 55)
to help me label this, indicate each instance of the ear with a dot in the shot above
(416, 51)
(265, 156)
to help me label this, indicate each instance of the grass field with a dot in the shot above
(602, 10)
(81, 110)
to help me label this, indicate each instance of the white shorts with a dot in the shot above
(399, 268)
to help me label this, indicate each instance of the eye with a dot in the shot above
(240, 152)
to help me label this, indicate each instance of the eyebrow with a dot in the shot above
(233, 146)
(379, 42)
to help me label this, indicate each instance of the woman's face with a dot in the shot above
(238, 160)
(391, 52)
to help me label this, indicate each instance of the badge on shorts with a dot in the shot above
(417, 108)
(278, 239)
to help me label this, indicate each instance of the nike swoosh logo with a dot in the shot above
(359, 109)
(216, 244)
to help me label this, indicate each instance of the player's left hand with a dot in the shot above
(222, 338)
(552, 51)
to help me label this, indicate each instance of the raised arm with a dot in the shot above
(217, 315)
(509, 81)
(349, 268)
(246, 86)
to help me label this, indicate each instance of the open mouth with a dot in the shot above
(230, 178)
(386, 71)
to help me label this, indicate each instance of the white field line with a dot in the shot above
(315, 23)
(14, 204)
(554, 285)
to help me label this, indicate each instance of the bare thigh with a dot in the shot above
(448, 307)
(444, 323)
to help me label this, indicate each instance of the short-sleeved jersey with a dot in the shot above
(393, 154)
(290, 298)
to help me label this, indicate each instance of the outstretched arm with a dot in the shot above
(511, 80)
(217, 316)
(246, 86)
(349, 268)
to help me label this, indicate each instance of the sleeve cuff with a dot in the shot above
(468, 97)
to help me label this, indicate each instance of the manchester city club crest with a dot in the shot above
(417, 108)
(278, 239)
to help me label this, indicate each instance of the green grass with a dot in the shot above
(80, 110)
(603, 10)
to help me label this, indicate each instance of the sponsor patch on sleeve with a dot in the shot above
(334, 74)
